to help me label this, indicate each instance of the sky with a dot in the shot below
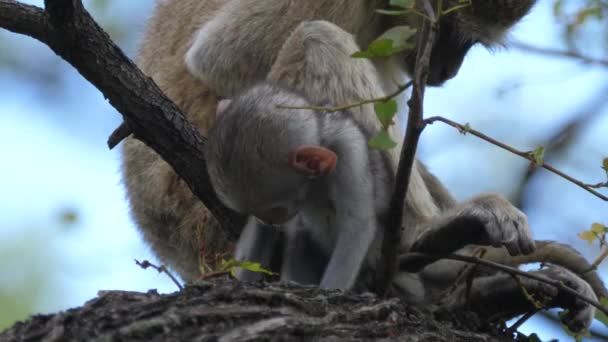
(53, 133)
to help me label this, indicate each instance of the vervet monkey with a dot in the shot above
(179, 229)
(275, 163)
(313, 174)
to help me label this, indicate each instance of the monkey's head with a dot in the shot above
(483, 21)
(261, 158)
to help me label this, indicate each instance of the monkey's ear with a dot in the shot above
(313, 161)
(221, 106)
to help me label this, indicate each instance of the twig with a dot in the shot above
(559, 53)
(161, 269)
(525, 155)
(119, 134)
(512, 271)
(599, 260)
(521, 321)
(392, 235)
(598, 185)
(400, 89)
(559, 141)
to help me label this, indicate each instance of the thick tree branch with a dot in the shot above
(68, 29)
(227, 310)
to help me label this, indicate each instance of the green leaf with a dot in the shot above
(402, 3)
(382, 141)
(557, 8)
(253, 267)
(465, 129)
(385, 112)
(392, 12)
(599, 315)
(390, 42)
(531, 299)
(588, 236)
(599, 228)
(538, 155)
(534, 338)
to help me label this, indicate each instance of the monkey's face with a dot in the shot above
(483, 21)
(447, 56)
(274, 201)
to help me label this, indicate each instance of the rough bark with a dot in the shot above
(226, 310)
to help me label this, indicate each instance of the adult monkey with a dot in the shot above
(180, 230)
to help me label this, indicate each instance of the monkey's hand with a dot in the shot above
(501, 296)
(483, 220)
(580, 314)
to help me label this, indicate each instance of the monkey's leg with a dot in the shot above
(502, 296)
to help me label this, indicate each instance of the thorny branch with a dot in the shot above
(415, 124)
(525, 155)
(68, 29)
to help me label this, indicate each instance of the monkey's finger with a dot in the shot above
(526, 242)
(513, 248)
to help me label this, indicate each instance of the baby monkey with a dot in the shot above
(308, 171)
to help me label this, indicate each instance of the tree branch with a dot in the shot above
(400, 89)
(415, 124)
(559, 53)
(525, 155)
(68, 29)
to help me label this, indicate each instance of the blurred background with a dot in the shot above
(65, 231)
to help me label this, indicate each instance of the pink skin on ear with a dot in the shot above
(221, 106)
(313, 161)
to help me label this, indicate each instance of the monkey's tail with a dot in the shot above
(553, 253)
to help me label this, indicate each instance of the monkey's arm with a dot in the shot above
(257, 243)
(355, 222)
(501, 296)
(484, 220)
